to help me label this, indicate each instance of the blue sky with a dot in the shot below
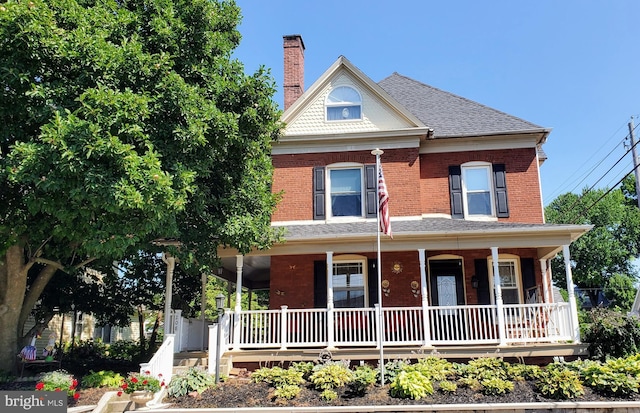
(570, 65)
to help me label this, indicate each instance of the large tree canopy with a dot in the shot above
(613, 243)
(123, 122)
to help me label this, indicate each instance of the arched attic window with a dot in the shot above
(344, 103)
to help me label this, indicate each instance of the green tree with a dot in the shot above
(621, 291)
(610, 247)
(122, 122)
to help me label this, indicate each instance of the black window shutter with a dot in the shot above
(528, 275)
(500, 182)
(373, 281)
(318, 193)
(320, 284)
(455, 191)
(482, 273)
(371, 185)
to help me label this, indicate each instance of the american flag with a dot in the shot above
(383, 195)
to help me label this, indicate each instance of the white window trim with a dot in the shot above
(516, 265)
(329, 193)
(328, 104)
(354, 259)
(492, 191)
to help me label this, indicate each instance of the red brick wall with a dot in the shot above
(294, 176)
(523, 187)
(292, 276)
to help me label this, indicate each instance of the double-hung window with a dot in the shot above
(349, 289)
(478, 190)
(344, 190)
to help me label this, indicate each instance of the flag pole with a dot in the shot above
(377, 152)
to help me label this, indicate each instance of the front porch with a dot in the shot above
(515, 330)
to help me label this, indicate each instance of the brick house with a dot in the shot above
(465, 203)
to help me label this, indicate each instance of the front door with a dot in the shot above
(447, 289)
(447, 282)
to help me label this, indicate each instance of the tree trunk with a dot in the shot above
(13, 284)
(35, 291)
(154, 336)
(143, 344)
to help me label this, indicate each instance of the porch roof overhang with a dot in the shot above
(318, 237)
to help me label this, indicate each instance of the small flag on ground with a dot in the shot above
(383, 195)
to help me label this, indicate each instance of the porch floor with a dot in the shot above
(530, 353)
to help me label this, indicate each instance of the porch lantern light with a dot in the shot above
(220, 310)
(474, 281)
(220, 270)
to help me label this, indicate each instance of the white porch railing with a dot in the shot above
(161, 366)
(446, 325)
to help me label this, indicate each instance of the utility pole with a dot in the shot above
(635, 159)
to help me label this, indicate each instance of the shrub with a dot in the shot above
(128, 350)
(612, 334)
(393, 367)
(193, 380)
(277, 376)
(306, 367)
(433, 368)
(288, 391)
(363, 378)
(618, 377)
(102, 378)
(447, 386)
(328, 395)
(496, 386)
(521, 371)
(59, 380)
(331, 375)
(559, 382)
(411, 385)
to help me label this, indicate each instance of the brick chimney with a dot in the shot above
(293, 69)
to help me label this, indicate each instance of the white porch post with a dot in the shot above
(238, 307)
(573, 307)
(545, 280)
(425, 300)
(330, 336)
(168, 288)
(502, 334)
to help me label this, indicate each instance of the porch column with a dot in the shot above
(573, 307)
(330, 336)
(238, 306)
(170, 260)
(425, 299)
(502, 335)
(545, 280)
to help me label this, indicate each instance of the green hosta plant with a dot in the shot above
(331, 375)
(496, 386)
(328, 395)
(306, 367)
(393, 367)
(193, 380)
(433, 368)
(102, 378)
(559, 382)
(277, 376)
(363, 378)
(287, 391)
(618, 377)
(411, 385)
(447, 386)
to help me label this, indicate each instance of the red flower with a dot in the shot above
(124, 386)
(159, 374)
(144, 382)
(147, 372)
(162, 384)
(58, 389)
(40, 386)
(119, 393)
(76, 396)
(74, 384)
(134, 379)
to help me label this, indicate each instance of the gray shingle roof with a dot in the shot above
(450, 115)
(423, 226)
